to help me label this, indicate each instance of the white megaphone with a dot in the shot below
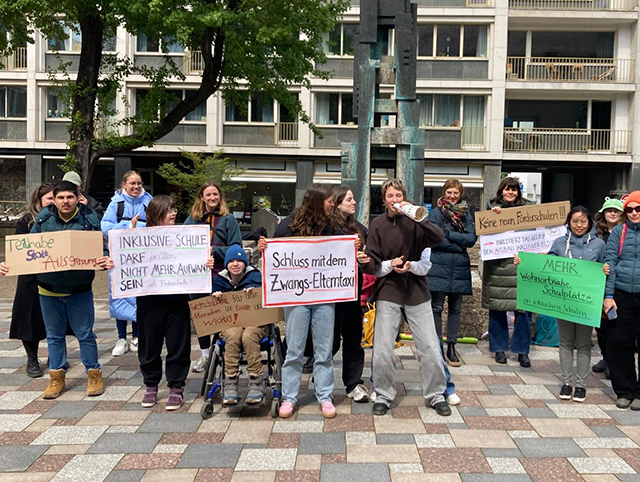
(417, 213)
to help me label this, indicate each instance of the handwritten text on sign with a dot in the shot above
(306, 271)
(569, 289)
(213, 314)
(53, 251)
(160, 260)
(506, 245)
(522, 217)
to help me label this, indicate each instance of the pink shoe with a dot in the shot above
(286, 409)
(328, 409)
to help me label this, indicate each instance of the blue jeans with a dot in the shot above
(499, 332)
(451, 387)
(78, 311)
(321, 320)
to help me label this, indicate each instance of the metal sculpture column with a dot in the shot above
(403, 145)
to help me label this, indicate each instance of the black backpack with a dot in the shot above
(120, 212)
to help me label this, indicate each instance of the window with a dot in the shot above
(572, 44)
(57, 103)
(71, 41)
(149, 44)
(445, 110)
(452, 40)
(176, 96)
(334, 109)
(258, 108)
(13, 101)
(341, 41)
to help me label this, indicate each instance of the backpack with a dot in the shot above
(120, 212)
(546, 331)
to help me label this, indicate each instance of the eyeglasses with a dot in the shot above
(629, 209)
(173, 212)
(579, 222)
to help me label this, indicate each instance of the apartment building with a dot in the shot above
(546, 86)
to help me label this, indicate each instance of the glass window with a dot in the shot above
(341, 40)
(448, 41)
(3, 101)
(16, 102)
(475, 41)
(426, 110)
(329, 107)
(261, 108)
(199, 113)
(284, 115)
(516, 44)
(447, 110)
(350, 31)
(347, 110)
(425, 40)
(147, 44)
(171, 45)
(233, 113)
(71, 41)
(56, 104)
(140, 95)
(572, 44)
(332, 41)
(109, 43)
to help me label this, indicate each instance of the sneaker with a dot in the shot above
(286, 409)
(150, 397)
(133, 345)
(328, 409)
(34, 370)
(176, 397)
(579, 394)
(256, 390)
(600, 366)
(359, 394)
(620, 403)
(501, 357)
(565, 392)
(230, 391)
(373, 396)
(200, 364)
(121, 347)
(453, 399)
(442, 409)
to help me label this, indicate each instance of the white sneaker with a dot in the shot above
(133, 345)
(200, 365)
(121, 348)
(372, 397)
(453, 399)
(359, 394)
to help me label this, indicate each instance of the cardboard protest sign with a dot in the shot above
(569, 289)
(236, 308)
(522, 217)
(507, 244)
(160, 260)
(308, 271)
(53, 251)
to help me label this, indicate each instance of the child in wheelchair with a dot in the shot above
(239, 276)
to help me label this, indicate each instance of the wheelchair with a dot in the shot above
(213, 380)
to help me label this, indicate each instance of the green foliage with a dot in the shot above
(70, 163)
(201, 169)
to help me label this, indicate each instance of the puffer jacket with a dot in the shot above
(251, 279)
(499, 276)
(624, 268)
(451, 268)
(588, 247)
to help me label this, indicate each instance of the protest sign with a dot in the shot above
(53, 251)
(160, 260)
(507, 244)
(308, 271)
(566, 288)
(213, 314)
(522, 217)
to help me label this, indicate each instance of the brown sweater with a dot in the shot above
(394, 236)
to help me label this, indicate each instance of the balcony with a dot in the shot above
(570, 69)
(613, 5)
(281, 134)
(286, 134)
(15, 61)
(541, 139)
(193, 63)
(468, 138)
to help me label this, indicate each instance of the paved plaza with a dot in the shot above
(511, 426)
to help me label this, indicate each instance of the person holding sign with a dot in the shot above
(580, 242)
(127, 209)
(210, 207)
(450, 276)
(394, 245)
(622, 304)
(66, 297)
(239, 276)
(499, 288)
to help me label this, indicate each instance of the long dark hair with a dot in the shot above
(509, 182)
(348, 224)
(158, 209)
(35, 205)
(582, 210)
(601, 223)
(310, 219)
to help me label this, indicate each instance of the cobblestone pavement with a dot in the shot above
(511, 426)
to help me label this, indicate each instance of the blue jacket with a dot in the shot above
(588, 247)
(451, 270)
(251, 279)
(625, 268)
(124, 308)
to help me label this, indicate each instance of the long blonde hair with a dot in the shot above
(198, 208)
(35, 206)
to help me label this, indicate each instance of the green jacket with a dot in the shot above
(73, 281)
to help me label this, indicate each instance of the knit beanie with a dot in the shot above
(610, 203)
(236, 252)
(633, 197)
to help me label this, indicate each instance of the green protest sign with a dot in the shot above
(569, 289)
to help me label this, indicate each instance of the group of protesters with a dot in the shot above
(416, 264)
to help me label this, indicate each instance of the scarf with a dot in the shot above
(454, 213)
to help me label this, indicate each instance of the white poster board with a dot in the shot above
(309, 271)
(507, 244)
(160, 260)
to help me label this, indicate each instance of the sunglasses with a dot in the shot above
(629, 209)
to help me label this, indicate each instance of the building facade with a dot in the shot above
(547, 86)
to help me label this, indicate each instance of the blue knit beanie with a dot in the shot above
(236, 252)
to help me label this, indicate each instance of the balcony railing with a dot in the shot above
(193, 62)
(452, 3)
(286, 134)
(570, 69)
(541, 139)
(620, 5)
(15, 61)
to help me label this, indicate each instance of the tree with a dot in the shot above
(269, 45)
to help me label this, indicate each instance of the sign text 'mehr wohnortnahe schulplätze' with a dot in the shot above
(522, 217)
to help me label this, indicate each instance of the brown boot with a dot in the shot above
(56, 384)
(95, 385)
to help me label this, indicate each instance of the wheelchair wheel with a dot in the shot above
(275, 408)
(213, 380)
(206, 412)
